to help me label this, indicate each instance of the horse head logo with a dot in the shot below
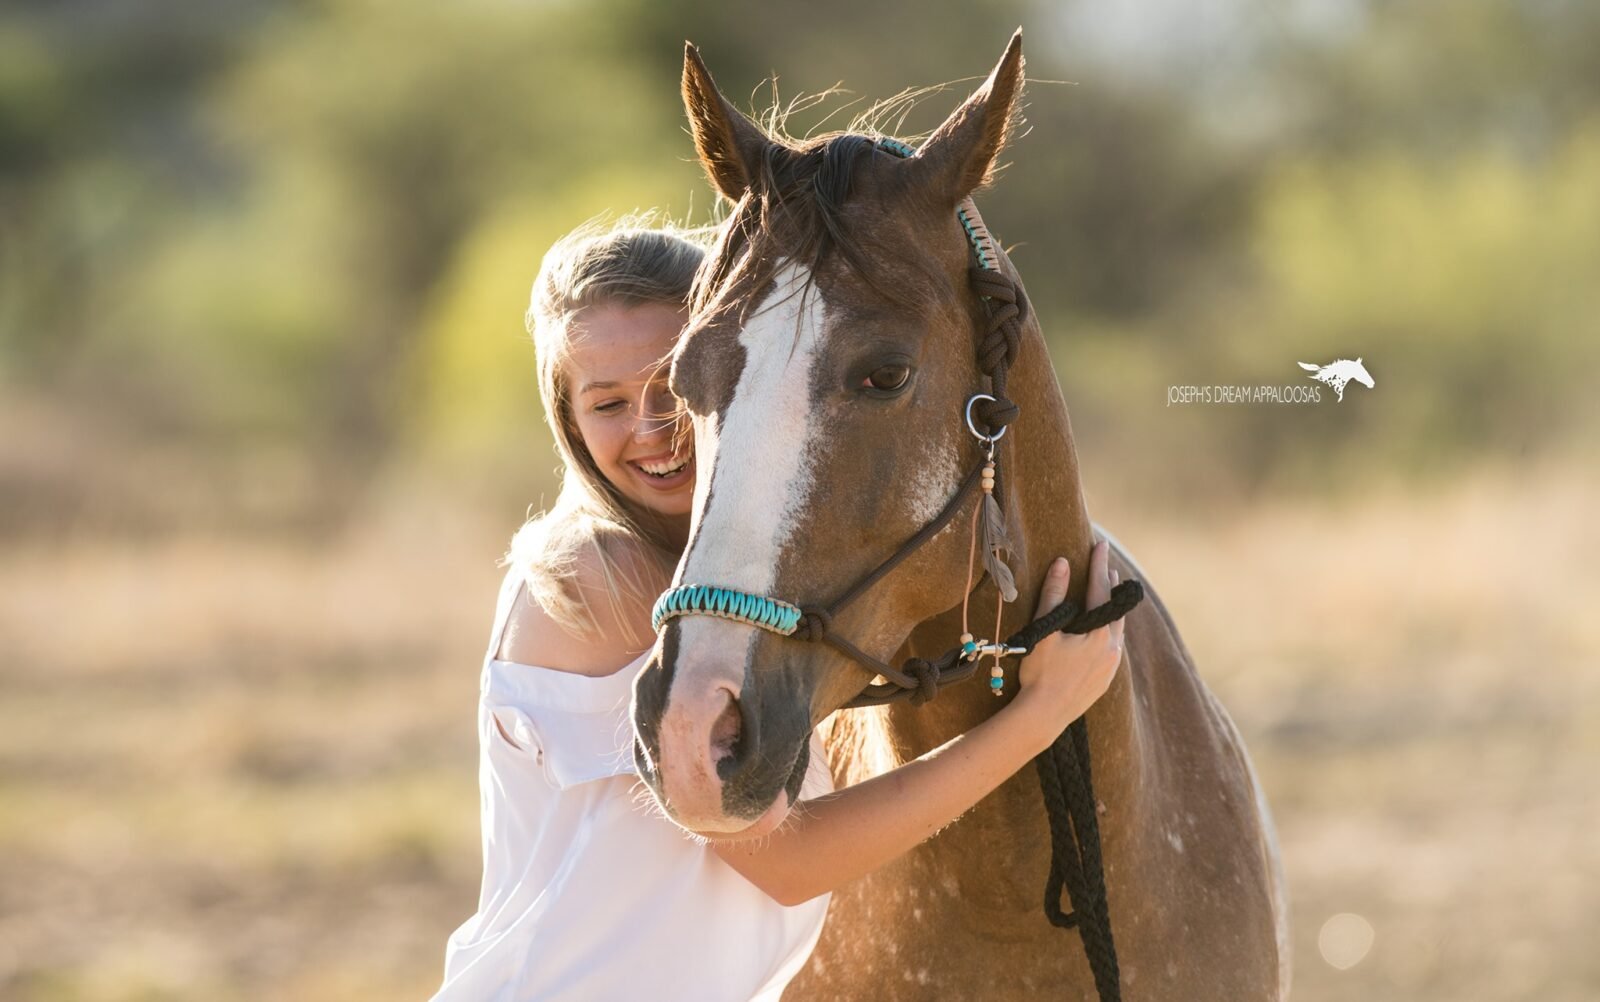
(1339, 372)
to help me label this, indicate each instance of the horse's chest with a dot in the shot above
(910, 932)
(956, 918)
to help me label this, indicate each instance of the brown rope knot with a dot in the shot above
(992, 285)
(813, 626)
(1001, 292)
(927, 677)
(1000, 345)
(1007, 307)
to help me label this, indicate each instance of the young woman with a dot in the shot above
(587, 892)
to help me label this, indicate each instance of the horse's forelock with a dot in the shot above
(795, 212)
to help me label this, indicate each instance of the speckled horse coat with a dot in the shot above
(836, 262)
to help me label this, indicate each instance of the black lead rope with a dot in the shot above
(1067, 783)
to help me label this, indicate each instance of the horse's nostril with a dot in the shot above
(725, 730)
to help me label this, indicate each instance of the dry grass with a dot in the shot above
(245, 769)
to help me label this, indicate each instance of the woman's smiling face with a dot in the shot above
(622, 407)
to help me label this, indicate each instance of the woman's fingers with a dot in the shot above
(1102, 578)
(1116, 627)
(1099, 587)
(1055, 585)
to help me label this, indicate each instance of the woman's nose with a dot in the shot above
(654, 417)
(648, 427)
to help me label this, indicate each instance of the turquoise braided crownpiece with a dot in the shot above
(977, 235)
(896, 147)
(769, 614)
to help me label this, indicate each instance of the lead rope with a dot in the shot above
(1066, 777)
(1067, 783)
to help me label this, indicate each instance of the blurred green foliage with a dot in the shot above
(1476, 282)
(313, 226)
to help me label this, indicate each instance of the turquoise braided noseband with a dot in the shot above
(725, 603)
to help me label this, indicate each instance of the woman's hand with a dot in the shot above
(1066, 672)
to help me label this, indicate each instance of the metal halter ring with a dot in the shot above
(980, 436)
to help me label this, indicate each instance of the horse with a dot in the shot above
(828, 356)
(1338, 373)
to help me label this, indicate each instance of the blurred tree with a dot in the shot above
(1440, 78)
(97, 148)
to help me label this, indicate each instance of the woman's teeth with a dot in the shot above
(665, 469)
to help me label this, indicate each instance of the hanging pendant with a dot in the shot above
(994, 540)
(990, 542)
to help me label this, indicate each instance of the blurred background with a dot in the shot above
(268, 417)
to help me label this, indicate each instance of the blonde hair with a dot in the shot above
(638, 261)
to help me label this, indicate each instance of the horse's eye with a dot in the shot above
(889, 378)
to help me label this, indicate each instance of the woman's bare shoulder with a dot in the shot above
(533, 637)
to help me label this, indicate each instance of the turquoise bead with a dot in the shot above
(997, 683)
(969, 647)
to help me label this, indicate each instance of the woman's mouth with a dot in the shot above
(664, 472)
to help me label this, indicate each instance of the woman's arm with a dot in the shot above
(848, 834)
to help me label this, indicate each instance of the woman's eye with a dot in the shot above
(889, 377)
(609, 407)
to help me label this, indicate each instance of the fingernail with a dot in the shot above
(1058, 566)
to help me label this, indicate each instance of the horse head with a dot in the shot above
(1360, 374)
(825, 366)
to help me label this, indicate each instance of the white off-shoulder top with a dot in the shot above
(588, 892)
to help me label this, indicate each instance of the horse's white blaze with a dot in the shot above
(754, 462)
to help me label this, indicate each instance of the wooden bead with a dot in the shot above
(997, 672)
(966, 638)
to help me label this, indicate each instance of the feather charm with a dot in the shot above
(995, 541)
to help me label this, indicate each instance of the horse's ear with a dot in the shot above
(731, 147)
(958, 158)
